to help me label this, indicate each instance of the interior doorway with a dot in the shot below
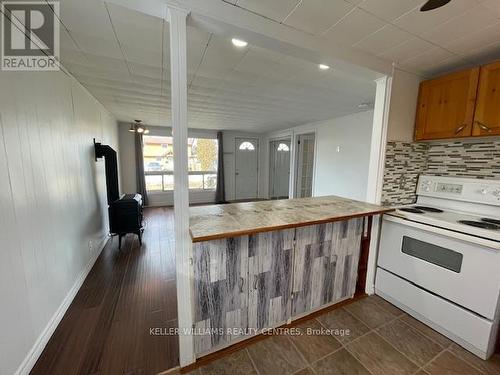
(279, 168)
(304, 166)
(246, 168)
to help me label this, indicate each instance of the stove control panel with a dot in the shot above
(457, 188)
(449, 188)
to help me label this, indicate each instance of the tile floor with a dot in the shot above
(383, 340)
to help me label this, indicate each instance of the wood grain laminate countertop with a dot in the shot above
(238, 219)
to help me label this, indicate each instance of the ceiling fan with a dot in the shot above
(433, 4)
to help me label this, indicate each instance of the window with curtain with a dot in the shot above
(159, 163)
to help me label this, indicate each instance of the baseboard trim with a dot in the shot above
(42, 340)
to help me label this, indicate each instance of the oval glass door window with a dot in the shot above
(247, 146)
(283, 147)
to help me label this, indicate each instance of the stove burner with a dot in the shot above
(491, 221)
(429, 209)
(479, 224)
(412, 210)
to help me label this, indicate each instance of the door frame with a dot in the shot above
(288, 138)
(294, 159)
(257, 139)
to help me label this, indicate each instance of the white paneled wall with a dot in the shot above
(53, 215)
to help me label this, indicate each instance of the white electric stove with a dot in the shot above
(439, 259)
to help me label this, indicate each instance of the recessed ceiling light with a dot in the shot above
(239, 43)
(323, 66)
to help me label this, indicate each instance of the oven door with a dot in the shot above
(451, 265)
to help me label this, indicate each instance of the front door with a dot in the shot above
(246, 168)
(279, 176)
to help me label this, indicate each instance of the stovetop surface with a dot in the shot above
(485, 226)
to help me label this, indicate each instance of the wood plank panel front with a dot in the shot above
(325, 264)
(220, 277)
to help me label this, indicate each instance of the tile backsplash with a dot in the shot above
(480, 160)
(406, 161)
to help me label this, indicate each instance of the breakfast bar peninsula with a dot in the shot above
(259, 265)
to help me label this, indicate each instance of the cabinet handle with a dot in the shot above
(255, 281)
(460, 128)
(241, 283)
(483, 126)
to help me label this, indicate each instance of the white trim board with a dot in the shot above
(376, 171)
(29, 361)
(177, 17)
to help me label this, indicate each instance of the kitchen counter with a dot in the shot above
(238, 219)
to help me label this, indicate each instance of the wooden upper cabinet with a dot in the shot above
(446, 105)
(487, 116)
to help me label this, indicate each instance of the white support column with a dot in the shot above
(178, 63)
(376, 169)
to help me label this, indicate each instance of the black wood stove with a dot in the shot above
(125, 211)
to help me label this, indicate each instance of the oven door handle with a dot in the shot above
(446, 232)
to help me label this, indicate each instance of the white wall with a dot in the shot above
(404, 95)
(344, 172)
(52, 204)
(127, 160)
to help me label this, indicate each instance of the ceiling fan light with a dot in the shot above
(433, 4)
(140, 129)
(146, 131)
(131, 129)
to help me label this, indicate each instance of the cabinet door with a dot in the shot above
(487, 117)
(269, 275)
(220, 272)
(325, 264)
(446, 106)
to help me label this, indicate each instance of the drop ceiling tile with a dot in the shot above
(73, 56)
(196, 43)
(97, 46)
(467, 23)
(256, 63)
(427, 60)
(276, 9)
(145, 70)
(105, 63)
(452, 64)
(485, 54)
(86, 17)
(492, 5)
(135, 53)
(353, 27)
(411, 48)
(478, 39)
(420, 22)
(136, 28)
(220, 58)
(317, 16)
(66, 41)
(383, 40)
(389, 9)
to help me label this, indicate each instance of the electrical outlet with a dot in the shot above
(90, 246)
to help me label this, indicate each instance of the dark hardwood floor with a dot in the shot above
(106, 330)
